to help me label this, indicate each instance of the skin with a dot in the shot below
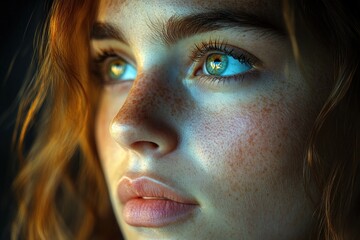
(236, 148)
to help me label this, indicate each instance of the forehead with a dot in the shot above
(119, 10)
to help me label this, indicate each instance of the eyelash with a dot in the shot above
(198, 54)
(106, 54)
(202, 50)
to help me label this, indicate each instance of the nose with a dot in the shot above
(143, 124)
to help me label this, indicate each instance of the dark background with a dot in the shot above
(19, 20)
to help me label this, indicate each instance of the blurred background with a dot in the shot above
(19, 20)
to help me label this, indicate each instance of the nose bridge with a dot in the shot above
(143, 122)
(144, 101)
(155, 92)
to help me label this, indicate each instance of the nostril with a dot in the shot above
(145, 138)
(143, 146)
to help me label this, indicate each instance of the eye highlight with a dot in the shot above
(112, 68)
(120, 70)
(217, 61)
(220, 64)
(117, 68)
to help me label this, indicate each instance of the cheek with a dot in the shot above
(249, 157)
(108, 149)
(249, 136)
(253, 149)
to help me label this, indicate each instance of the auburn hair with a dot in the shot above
(61, 190)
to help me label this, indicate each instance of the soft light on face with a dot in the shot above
(201, 134)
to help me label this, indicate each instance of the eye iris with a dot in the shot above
(117, 69)
(216, 63)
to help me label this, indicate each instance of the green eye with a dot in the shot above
(216, 63)
(120, 70)
(221, 64)
(117, 68)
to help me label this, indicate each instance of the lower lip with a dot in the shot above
(141, 212)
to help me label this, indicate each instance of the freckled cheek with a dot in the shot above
(248, 142)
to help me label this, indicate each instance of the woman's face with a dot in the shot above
(203, 119)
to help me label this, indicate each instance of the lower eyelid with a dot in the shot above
(231, 83)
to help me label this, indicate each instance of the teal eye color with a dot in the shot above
(220, 64)
(216, 63)
(119, 69)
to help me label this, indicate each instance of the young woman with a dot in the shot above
(208, 120)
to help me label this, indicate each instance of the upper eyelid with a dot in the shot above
(99, 66)
(100, 58)
(203, 50)
(122, 49)
(196, 53)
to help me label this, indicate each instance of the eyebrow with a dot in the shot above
(180, 27)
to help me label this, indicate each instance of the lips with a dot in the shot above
(150, 203)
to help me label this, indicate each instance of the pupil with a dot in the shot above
(216, 64)
(116, 69)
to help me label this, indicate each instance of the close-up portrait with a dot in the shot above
(187, 119)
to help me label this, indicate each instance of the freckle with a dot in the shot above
(231, 165)
(151, 93)
(266, 110)
(251, 140)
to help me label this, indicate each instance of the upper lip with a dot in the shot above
(146, 187)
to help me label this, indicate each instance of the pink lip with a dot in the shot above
(150, 203)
